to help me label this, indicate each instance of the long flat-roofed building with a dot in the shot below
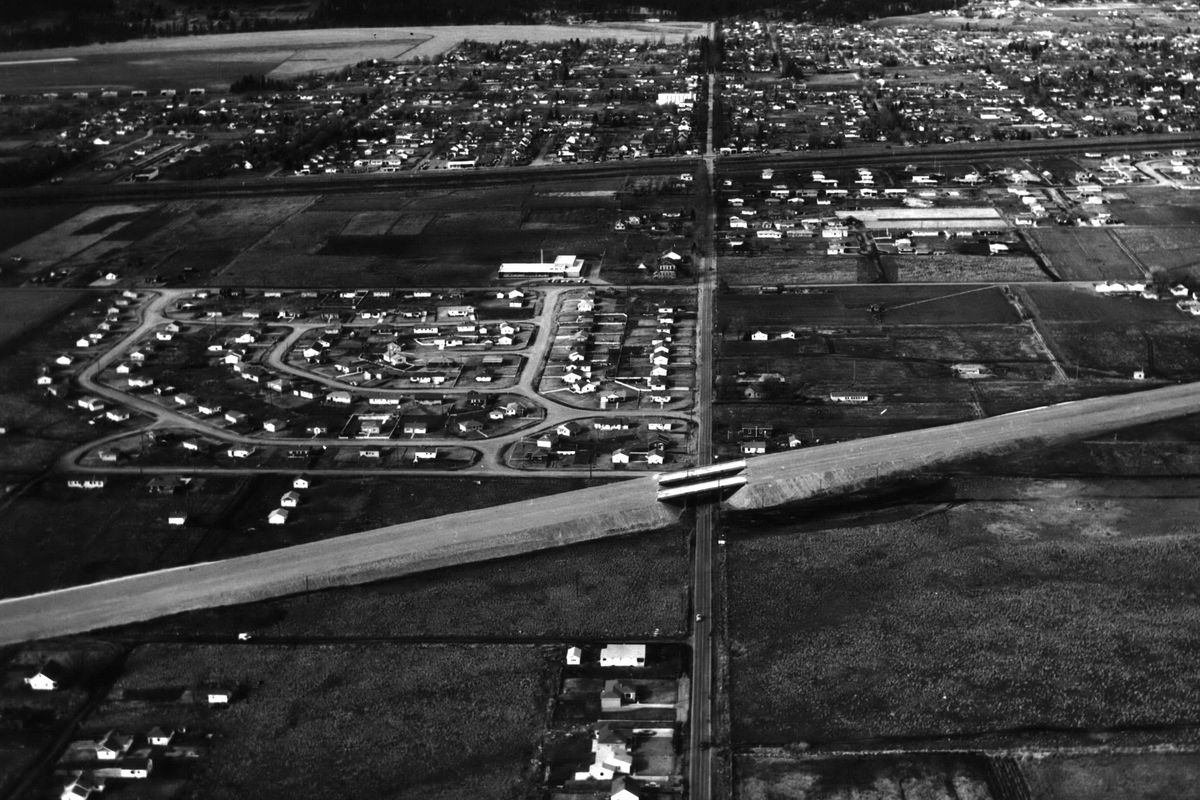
(561, 267)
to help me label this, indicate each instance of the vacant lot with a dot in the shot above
(1085, 254)
(23, 311)
(954, 268)
(1152, 776)
(982, 618)
(792, 268)
(1170, 250)
(929, 777)
(851, 306)
(353, 720)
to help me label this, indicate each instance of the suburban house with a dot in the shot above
(624, 789)
(290, 499)
(574, 656)
(616, 694)
(159, 737)
(81, 786)
(623, 655)
(46, 679)
(610, 756)
(277, 517)
(219, 697)
(112, 746)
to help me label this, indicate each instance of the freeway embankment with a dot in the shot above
(819, 472)
(449, 540)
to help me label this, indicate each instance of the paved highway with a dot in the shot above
(700, 737)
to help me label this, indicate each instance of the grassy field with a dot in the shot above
(128, 530)
(353, 720)
(951, 268)
(928, 777)
(1060, 613)
(1150, 776)
(1085, 254)
(850, 306)
(1170, 249)
(633, 586)
(23, 311)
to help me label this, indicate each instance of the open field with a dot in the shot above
(635, 586)
(128, 530)
(954, 268)
(1085, 254)
(1169, 249)
(791, 268)
(319, 721)
(925, 776)
(22, 312)
(1149, 776)
(903, 305)
(215, 61)
(980, 619)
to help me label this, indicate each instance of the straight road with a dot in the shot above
(700, 738)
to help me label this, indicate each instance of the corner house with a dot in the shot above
(561, 267)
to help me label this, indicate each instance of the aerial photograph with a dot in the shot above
(583, 400)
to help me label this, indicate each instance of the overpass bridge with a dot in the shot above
(568, 518)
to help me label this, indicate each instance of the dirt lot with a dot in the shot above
(442, 721)
(983, 618)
